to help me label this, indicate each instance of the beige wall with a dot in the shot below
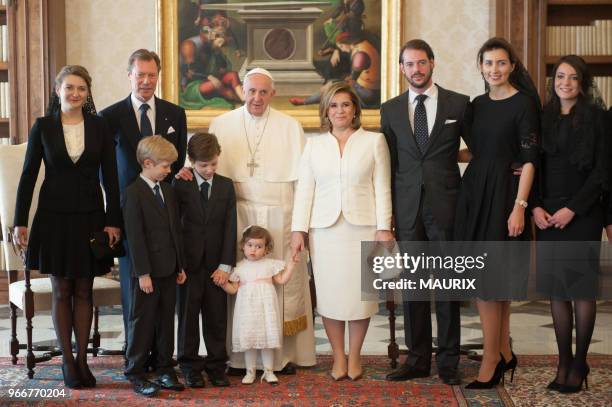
(101, 35)
(455, 30)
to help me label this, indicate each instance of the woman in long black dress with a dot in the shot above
(568, 207)
(74, 145)
(492, 201)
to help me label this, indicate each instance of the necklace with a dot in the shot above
(251, 164)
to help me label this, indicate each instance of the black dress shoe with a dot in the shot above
(218, 379)
(169, 381)
(194, 379)
(289, 369)
(450, 377)
(236, 371)
(144, 387)
(406, 372)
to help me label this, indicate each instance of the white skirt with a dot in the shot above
(335, 253)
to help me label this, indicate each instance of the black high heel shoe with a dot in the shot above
(498, 373)
(71, 378)
(511, 365)
(87, 378)
(554, 385)
(566, 388)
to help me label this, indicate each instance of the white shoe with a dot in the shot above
(250, 376)
(269, 376)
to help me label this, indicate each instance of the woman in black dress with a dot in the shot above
(74, 145)
(568, 207)
(492, 201)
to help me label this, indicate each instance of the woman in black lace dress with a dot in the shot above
(492, 200)
(568, 207)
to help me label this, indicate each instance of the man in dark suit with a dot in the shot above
(139, 115)
(423, 127)
(153, 229)
(207, 206)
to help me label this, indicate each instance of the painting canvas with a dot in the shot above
(306, 45)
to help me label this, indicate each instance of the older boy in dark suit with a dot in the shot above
(207, 206)
(153, 230)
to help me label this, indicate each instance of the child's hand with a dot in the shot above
(146, 284)
(181, 277)
(219, 277)
(295, 259)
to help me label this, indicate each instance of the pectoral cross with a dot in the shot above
(252, 164)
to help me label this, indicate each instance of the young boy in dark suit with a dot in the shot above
(153, 230)
(207, 206)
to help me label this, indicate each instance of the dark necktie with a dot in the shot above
(204, 194)
(158, 196)
(145, 124)
(421, 131)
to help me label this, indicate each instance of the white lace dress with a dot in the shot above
(256, 322)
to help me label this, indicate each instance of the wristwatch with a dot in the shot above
(521, 202)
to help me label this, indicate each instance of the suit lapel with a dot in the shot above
(169, 208)
(195, 189)
(440, 117)
(130, 125)
(150, 196)
(403, 118)
(161, 120)
(61, 142)
(212, 199)
(88, 138)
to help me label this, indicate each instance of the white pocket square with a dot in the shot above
(170, 130)
(449, 121)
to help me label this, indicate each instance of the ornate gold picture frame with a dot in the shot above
(287, 47)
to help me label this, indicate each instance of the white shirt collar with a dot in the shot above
(149, 182)
(136, 103)
(431, 92)
(200, 180)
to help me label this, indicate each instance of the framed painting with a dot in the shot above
(207, 46)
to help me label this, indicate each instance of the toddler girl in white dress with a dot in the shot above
(256, 323)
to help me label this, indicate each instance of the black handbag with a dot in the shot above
(101, 248)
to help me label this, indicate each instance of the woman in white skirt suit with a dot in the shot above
(343, 197)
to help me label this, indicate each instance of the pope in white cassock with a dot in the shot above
(261, 153)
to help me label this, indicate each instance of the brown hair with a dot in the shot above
(338, 87)
(143, 55)
(76, 70)
(257, 232)
(419, 45)
(155, 148)
(203, 147)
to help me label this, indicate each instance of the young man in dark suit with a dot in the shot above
(207, 206)
(423, 127)
(139, 115)
(153, 229)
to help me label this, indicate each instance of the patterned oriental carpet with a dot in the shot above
(313, 387)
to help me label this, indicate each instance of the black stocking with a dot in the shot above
(585, 312)
(83, 312)
(563, 321)
(61, 312)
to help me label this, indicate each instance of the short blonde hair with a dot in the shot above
(156, 149)
(338, 87)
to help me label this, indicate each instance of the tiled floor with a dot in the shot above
(531, 329)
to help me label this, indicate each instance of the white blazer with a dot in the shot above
(356, 184)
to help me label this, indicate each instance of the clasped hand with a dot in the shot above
(559, 219)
